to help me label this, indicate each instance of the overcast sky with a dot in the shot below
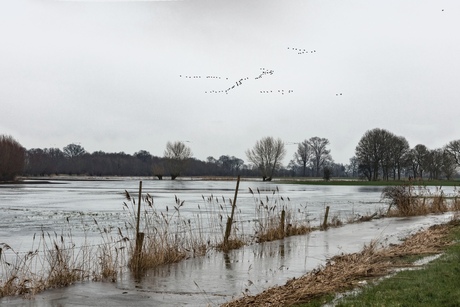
(132, 75)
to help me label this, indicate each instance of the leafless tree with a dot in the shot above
(400, 149)
(453, 148)
(73, 150)
(419, 159)
(12, 158)
(320, 154)
(303, 155)
(371, 151)
(449, 165)
(267, 155)
(159, 170)
(394, 155)
(177, 155)
(352, 168)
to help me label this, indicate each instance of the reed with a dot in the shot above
(169, 236)
(275, 218)
(409, 200)
(55, 260)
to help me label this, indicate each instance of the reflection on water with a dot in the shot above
(372, 189)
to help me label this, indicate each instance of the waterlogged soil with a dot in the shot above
(216, 277)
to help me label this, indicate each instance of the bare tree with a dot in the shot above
(230, 165)
(352, 168)
(158, 170)
(303, 155)
(394, 155)
(453, 148)
(449, 165)
(320, 154)
(434, 161)
(399, 152)
(73, 150)
(177, 155)
(372, 150)
(12, 158)
(266, 155)
(419, 155)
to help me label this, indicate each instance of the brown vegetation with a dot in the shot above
(55, 261)
(344, 272)
(409, 200)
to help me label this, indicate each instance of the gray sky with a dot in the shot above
(114, 75)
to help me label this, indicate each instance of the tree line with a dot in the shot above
(73, 159)
(379, 155)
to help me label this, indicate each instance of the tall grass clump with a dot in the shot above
(55, 260)
(275, 218)
(408, 200)
(214, 214)
(168, 236)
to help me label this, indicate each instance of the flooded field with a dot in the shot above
(27, 209)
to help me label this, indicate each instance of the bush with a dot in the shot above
(12, 158)
(401, 197)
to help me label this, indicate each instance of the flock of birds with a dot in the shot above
(262, 73)
(277, 92)
(199, 77)
(301, 51)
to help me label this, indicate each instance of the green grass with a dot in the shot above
(357, 182)
(437, 284)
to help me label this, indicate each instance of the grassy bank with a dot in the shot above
(437, 284)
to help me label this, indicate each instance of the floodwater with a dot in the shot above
(209, 280)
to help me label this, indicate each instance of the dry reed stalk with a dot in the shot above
(56, 261)
(407, 200)
(345, 271)
(169, 237)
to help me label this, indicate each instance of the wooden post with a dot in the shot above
(228, 228)
(139, 235)
(325, 217)
(139, 208)
(282, 223)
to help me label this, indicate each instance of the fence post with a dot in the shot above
(282, 223)
(325, 218)
(228, 228)
(139, 235)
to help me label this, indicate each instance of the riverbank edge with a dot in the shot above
(347, 272)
